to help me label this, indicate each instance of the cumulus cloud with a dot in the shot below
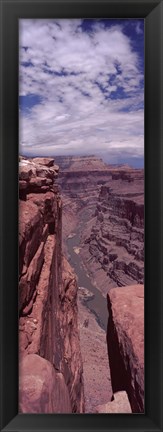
(89, 87)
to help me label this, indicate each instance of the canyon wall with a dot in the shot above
(113, 243)
(125, 339)
(109, 201)
(104, 204)
(80, 179)
(48, 316)
(125, 344)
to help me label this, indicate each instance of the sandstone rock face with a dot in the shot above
(80, 179)
(71, 362)
(36, 177)
(41, 388)
(125, 338)
(114, 242)
(47, 287)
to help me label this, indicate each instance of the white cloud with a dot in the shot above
(75, 115)
(139, 30)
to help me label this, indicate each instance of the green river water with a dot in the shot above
(97, 304)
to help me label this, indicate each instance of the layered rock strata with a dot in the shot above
(48, 325)
(105, 206)
(80, 179)
(109, 200)
(114, 238)
(125, 339)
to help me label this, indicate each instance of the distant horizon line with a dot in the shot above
(126, 161)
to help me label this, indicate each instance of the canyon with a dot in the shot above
(81, 294)
(110, 201)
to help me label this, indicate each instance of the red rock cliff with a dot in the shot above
(110, 201)
(47, 298)
(125, 338)
(114, 242)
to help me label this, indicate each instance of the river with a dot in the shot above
(97, 304)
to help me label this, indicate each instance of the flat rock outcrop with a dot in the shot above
(125, 338)
(42, 390)
(48, 324)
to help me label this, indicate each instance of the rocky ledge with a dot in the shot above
(49, 343)
(125, 339)
(36, 175)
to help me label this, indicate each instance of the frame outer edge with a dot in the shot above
(10, 427)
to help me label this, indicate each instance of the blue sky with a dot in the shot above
(81, 88)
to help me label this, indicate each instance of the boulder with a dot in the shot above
(41, 388)
(26, 170)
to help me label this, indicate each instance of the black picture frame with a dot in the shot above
(152, 12)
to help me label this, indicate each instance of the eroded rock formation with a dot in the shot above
(125, 338)
(80, 179)
(47, 290)
(110, 202)
(114, 241)
(104, 204)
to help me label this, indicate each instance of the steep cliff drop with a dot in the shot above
(103, 219)
(110, 202)
(113, 240)
(50, 369)
(125, 337)
(102, 225)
